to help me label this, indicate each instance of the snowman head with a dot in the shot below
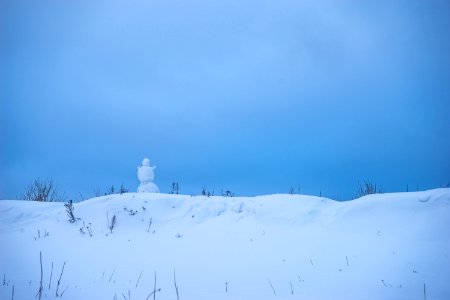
(146, 162)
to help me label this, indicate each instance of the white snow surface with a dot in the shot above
(383, 246)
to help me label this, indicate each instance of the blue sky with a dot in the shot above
(248, 96)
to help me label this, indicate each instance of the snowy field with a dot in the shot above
(385, 246)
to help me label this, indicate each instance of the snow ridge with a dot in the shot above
(383, 246)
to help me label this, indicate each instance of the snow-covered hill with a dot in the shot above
(386, 246)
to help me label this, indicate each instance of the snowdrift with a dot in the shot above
(383, 246)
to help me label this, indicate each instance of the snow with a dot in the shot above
(383, 246)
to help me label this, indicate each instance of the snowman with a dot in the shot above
(146, 175)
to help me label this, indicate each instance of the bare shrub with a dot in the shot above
(42, 191)
(69, 210)
(110, 191)
(97, 192)
(175, 188)
(228, 194)
(206, 192)
(367, 188)
(123, 190)
(291, 191)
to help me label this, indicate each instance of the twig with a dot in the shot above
(154, 288)
(272, 287)
(41, 288)
(103, 275)
(176, 285)
(124, 296)
(424, 292)
(64, 291)
(226, 287)
(149, 224)
(12, 297)
(292, 289)
(310, 260)
(113, 223)
(51, 274)
(153, 293)
(139, 278)
(346, 258)
(89, 229)
(59, 280)
(110, 277)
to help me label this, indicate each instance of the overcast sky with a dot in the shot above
(243, 95)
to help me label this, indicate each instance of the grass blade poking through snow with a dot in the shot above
(137, 282)
(113, 222)
(59, 280)
(149, 224)
(51, 273)
(273, 289)
(41, 288)
(112, 274)
(176, 285)
(154, 290)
